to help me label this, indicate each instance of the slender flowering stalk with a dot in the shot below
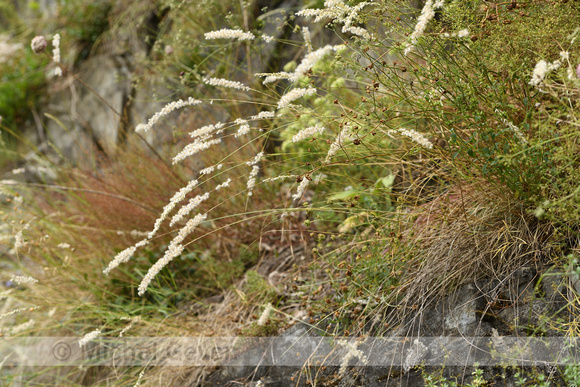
(175, 249)
(341, 13)
(310, 60)
(252, 179)
(415, 136)
(301, 189)
(224, 184)
(226, 83)
(293, 95)
(460, 34)
(265, 315)
(307, 38)
(263, 115)
(124, 256)
(273, 77)
(56, 54)
(307, 132)
(337, 144)
(244, 127)
(254, 172)
(21, 280)
(279, 178)
(427, 14)
(267, 38)
(513, 128)
(89, 337)
(195, 147)
(206, 130)
(229, 34)
(178, 197)
(168, 109)
(207, 171)
(541, 70)
(185, 210)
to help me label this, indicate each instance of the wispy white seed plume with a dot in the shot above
(226, 33)
(541, 70)
(279, 178)
(415, 136)
(168, 109)
(14, 311)
(226, 83)
(244, 127)
(254, 172)
(341, 13)
(263, 115)
(21, 280)
(186, 209)
(310, 60)
(89, 337)
(177, 197)
(307, 38)
(307, 133)
(301, 189)
(207, 171)
(337, 144)
(206, 130)
(265, 316)
(513, 128)
(133, 321)
(427, 14)
(267, 38)
(256, 159)
(195, 147)
(175, 249)
(294, 94)
(252, 179)
(223, 185)
(273, 77)
(124, 256)
(56, 54)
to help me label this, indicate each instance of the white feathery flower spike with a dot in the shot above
(293, 95)
(541, 70)
(195, 147)
(252, 179)
(175, 249)
(56, 54)
(21, 280)
(224, 184)
(310, 60)
(307, 38)
(186, 209)
(427, 14)
(226, 83)
(168, 109)
(244, 127)
(301, 188)
(226, 33)
(267, 38)
(415, 136)
(177, 197)
(124, 256)
(206, 130)
(273, 77)
(337, 144)
(263, 115)
(89, 337)
(307, 133)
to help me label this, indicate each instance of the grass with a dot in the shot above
(449, 168)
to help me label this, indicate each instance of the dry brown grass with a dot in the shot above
(471, 232)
